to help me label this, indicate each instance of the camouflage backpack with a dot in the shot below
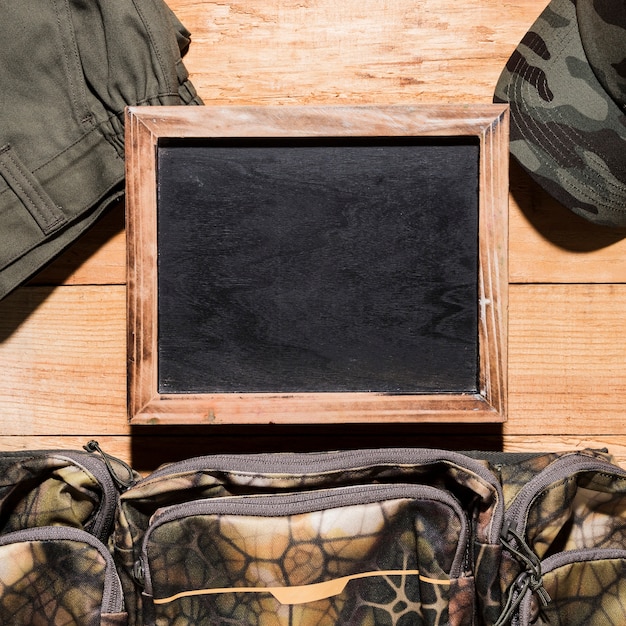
(398, 537)
(404, 536)
(56, 513)
(384, 537)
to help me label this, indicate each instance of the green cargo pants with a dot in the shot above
(67, 71)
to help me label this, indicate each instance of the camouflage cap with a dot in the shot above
(566, 86)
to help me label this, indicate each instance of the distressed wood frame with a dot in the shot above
(145, 126)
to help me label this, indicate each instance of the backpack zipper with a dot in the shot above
(304, 502)
(101, 469)
(319, 463)
(516, 518)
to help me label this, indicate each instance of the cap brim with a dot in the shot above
(566, 131)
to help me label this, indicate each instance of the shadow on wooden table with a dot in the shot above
(554, 222)
(154, 445)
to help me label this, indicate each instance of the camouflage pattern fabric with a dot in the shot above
(367, 537)
(56, 514)
(477, 493)
(392, 562)
(514, 475)
(53, 583)
(45, 490)
(581, 512)
(566, 86)
(575, 526)
(586, 592)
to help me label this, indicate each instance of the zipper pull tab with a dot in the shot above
(122, 483)
(138, 572)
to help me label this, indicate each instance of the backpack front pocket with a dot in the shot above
(58, 575)
(368, 554)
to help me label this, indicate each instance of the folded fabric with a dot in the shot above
(69, 69)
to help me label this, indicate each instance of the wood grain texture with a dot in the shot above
(567, 358)
(63, 351)
(322, 51)
(63, 360)
(317, 266)
(62, 348)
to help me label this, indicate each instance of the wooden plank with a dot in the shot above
(356, 51)
(567, 363)
(63, 361)
(62, 353)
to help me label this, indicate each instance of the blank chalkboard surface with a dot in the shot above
(317, 264)
(321, 265)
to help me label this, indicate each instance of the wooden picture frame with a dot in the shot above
(161, 138)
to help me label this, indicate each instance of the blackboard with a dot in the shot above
(325, 265)
(317, 264)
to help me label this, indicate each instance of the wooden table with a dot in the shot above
(63, 336)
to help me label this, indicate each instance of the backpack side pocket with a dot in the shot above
(586, 588)
(571, 511)
(58, 575)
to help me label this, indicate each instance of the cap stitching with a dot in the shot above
(554, 140)
(519, 83)
(585, 190)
